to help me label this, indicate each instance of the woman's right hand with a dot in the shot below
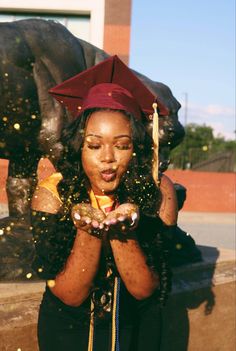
(87, 218)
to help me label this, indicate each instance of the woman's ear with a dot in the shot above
(45, 201)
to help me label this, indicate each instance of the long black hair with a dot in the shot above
(137, 186)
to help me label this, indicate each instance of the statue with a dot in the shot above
(36, 55)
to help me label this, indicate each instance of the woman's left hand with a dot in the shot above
(122, 220)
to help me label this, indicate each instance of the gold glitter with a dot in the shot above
(5, 119)
(16, 126)
(33, 116)
(1, 232)
(51, 283)
(178, 246)
(8, 228)
(40, 270)
(43, 218)
(28, 275)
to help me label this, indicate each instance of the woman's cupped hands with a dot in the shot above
(115, 224)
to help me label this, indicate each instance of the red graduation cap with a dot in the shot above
(109, 84)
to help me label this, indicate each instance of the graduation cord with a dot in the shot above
(98, 202)
(91, 327)
(115, 316)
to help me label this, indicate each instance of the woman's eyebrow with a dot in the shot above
(94, 135)
(122, 136)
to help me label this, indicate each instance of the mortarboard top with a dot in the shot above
(109, 84)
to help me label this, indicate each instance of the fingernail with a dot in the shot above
(88, 221)
(101, 226)
(77, 216)
(95, 224)
(134, 216)
(121, 219)
(113, 221)
(107, 222)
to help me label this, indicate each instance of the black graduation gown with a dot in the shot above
(66, 328)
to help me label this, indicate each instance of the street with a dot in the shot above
(210, 229)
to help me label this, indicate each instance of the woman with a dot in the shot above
(99, 224)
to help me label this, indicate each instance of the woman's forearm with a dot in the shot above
(130, 261)
(74, 283)
(168, 211)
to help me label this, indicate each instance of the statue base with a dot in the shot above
(16, 250)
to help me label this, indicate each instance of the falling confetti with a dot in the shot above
(16, 126)
(51, 283)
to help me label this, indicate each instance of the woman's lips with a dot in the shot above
(108, 175)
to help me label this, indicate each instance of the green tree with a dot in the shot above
(199, 144)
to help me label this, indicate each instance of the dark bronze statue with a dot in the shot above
(34, 56)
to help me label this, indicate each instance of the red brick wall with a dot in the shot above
(206, 192)
(117, 28)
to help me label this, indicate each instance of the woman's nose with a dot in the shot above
(108, 154)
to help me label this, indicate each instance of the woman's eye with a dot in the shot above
(93, 146)
(123, 146)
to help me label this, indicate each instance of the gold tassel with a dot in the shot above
(155, 137)
(91, 327)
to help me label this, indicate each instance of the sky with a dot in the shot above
(190, 46)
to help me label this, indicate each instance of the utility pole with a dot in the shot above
(185, 151)
(185, 109)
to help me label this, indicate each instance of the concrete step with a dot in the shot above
(201, 312)
(199, 316)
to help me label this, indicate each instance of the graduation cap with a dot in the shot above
(109, 84)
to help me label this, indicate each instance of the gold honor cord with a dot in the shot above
(155, 137)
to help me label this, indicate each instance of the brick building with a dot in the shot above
(103, 23)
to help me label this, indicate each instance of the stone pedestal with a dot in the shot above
(200, 313)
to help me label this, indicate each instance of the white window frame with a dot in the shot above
(94, 8)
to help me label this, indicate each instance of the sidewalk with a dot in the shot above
(210, 229)
(3, 210)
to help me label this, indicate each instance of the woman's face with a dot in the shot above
(107, 150)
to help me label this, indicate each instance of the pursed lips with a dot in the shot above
(108, 175)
